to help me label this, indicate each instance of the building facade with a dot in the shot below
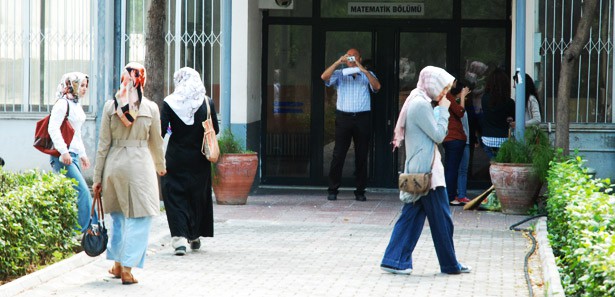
(278, 104)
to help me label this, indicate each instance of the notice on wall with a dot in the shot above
(386, 9)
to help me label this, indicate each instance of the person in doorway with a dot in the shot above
(455, 141)
(498, 112)
(352, 118)
(186, 189)
(422, 131)
(73, 158)
(129, 155)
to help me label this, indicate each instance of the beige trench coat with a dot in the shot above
(127, 161)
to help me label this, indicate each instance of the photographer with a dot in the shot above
(352, 118)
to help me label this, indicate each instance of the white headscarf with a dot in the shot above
(72, 80)
(188, 95)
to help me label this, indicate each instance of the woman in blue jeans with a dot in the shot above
(418, 124)
(73, 158)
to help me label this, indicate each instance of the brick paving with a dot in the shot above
(293, 242)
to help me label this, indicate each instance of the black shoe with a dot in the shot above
(180, 251)
(360, 197)
(195, 244)
(332, 197)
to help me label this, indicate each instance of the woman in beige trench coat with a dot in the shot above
(129, 156)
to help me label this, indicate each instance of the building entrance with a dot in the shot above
(299, 111)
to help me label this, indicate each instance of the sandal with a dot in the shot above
(128, 278)
(115, 271)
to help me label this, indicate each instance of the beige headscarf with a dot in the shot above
(128, 97)
(432, 81)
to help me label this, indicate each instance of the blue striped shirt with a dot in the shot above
(352, 92)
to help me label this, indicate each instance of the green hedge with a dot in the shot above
(37, 219)
(581, 226)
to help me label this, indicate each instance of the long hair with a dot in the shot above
(497, 87)
(530, 89)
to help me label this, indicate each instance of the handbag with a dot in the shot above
(42, 140)
(416, 183)
(95, 238)
(210, 147)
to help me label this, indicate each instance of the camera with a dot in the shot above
(350, 59)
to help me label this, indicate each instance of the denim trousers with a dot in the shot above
(433, 206)
(462, 180)
(128, 240)
(453, 152)
(84, 198)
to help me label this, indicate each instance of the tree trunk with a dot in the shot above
(154, 53)
(569, 60)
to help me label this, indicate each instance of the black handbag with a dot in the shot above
(95, 238)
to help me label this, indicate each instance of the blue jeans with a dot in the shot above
(433, 206)
(453, 151)
(128, 240)
(84, 198)
(462, 181)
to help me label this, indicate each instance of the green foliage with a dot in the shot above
(37, 220)
(582, 229)
(536, 150)
(229, 144)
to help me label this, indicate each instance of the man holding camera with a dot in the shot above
(352, 118)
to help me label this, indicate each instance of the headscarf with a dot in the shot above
(128, 97)
(188, 95)
(68, 88)
(432, 80)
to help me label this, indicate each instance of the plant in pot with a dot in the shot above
(234, 172)
(519, 170)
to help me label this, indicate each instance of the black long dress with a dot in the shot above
(186, 188)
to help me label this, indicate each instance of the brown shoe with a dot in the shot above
(128, 279)
(115, 271)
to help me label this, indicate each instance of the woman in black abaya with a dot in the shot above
(186, 189)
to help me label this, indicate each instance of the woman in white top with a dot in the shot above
(532, 107)
(72, 87)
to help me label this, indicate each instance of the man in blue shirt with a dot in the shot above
(352, 118)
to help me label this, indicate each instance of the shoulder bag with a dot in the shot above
(42, 140)
(95, 238)
(416, 183)
(210, 147)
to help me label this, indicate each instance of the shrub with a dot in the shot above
(535, 150)
(582, 229)
(37, 220)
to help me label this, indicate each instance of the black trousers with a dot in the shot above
(354, 127)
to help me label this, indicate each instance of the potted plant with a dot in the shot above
(234, 172)
(519, 170)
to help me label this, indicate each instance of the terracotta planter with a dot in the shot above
(234, 177)
(516, 185)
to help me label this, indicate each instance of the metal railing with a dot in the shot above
(592, 96)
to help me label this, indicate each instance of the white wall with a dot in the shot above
(246, 62)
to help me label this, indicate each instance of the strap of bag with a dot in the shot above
(97, 202)
(208, 109)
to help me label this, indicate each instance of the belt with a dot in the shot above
(129, 143)
(351, 114)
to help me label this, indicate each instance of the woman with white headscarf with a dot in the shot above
(186, 189)
(128, 158)
(423, 128)
(73, 157)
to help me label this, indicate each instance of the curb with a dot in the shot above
(550, 273)
(36, 278)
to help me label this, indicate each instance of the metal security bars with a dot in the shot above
(40, 41)
(192, 38)
(592, 97)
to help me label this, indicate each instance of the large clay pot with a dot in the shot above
(516, 186)
(234, 177)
